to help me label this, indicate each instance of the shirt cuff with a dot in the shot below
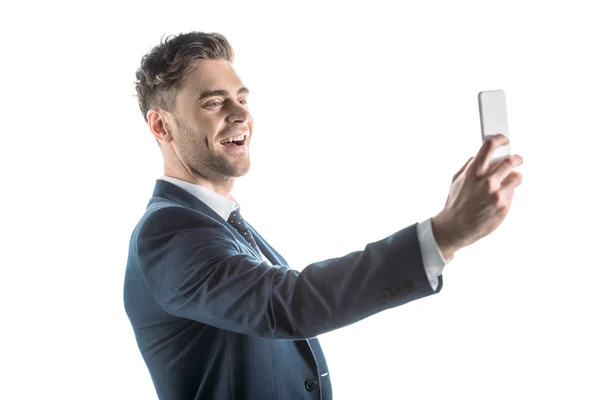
(433, 259)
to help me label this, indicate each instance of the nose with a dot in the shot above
(238, 113)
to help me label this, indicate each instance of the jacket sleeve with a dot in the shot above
(195, 269)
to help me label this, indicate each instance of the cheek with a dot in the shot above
(208, 126)
(199, 128)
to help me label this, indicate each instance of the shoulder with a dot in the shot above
(171, 235)
(164, 217)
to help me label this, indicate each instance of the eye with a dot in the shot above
(216, 103)
(244, 101)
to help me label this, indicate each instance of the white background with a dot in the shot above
(363, 113)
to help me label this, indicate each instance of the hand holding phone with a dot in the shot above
(494, 120)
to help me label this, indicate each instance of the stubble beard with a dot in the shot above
(210, 163)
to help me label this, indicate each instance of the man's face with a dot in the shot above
(212, 106)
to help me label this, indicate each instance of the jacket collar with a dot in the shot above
(171, 192)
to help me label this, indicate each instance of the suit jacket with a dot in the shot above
(213, 320)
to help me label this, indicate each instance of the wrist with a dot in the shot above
(441, 227)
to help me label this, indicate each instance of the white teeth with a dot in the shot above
(235, 138)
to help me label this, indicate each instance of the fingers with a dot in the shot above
(513, 180)
(482, 159)
(500, 171)
(503, 197)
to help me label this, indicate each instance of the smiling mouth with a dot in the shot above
(235, 141)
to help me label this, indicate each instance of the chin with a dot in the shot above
(239, 170)
(243, 172)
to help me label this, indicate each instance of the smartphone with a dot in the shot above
(494, 120)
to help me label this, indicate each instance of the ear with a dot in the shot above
(160, 124)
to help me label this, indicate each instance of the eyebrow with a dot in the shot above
(221, 92)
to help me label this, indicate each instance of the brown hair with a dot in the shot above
(164, 68)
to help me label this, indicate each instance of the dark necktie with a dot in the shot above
(236, 220)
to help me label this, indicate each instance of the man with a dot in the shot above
(217, 313)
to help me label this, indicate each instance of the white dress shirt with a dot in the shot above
(433, 260)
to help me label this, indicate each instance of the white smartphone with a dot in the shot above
(494, 120)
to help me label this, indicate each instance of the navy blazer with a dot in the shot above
(213, 320)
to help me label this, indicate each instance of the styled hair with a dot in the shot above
(164, 68)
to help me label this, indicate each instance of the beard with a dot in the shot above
(213, 164)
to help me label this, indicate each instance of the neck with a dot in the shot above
(223, 186)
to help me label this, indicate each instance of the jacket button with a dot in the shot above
(311, 385)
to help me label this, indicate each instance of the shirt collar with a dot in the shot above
(218, 203)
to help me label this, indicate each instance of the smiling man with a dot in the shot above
(217, 313)
(207, 135)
